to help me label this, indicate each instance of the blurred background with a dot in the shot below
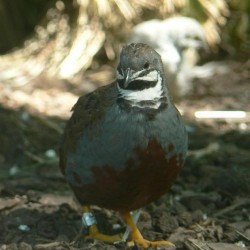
(51, 52)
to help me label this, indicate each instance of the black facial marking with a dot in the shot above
(140, 84)
(146, 65)
(137, 84)
(121, 83)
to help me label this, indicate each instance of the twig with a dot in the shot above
(243, 235)
(232, 207)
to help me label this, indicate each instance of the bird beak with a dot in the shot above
(128, 76)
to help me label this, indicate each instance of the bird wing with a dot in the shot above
(87, 110)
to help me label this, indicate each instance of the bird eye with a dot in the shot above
(146, 65)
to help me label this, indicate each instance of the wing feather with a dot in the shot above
(87, 110)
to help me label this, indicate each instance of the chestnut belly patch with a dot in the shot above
(141, 181)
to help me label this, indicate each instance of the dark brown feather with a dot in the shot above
(88, 109)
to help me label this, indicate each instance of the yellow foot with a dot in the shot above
(137, 238)
(93, 232)
(147, 244)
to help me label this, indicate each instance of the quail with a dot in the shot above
(179, 41)
(125, 143)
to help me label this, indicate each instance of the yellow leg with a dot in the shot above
(138, 238)
(94, 232)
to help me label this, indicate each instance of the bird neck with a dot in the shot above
(152, 98)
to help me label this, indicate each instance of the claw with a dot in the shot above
(138, 238)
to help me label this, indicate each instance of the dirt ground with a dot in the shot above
(208, 207)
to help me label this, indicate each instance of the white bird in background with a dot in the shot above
(174, 38)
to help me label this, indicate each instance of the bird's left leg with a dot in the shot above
(138, 238)
(135, 216)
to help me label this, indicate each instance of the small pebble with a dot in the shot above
(50, 153)
(24, 228)
(24, 116)
(240, 244)
(13, 170)
(243, 126)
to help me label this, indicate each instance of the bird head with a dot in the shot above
(185, 32)
(140, 73)
(140, 67)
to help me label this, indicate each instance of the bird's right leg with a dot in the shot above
(89, 223)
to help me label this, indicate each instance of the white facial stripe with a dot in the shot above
(150, 94)
(136, 74)
(152, 76)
